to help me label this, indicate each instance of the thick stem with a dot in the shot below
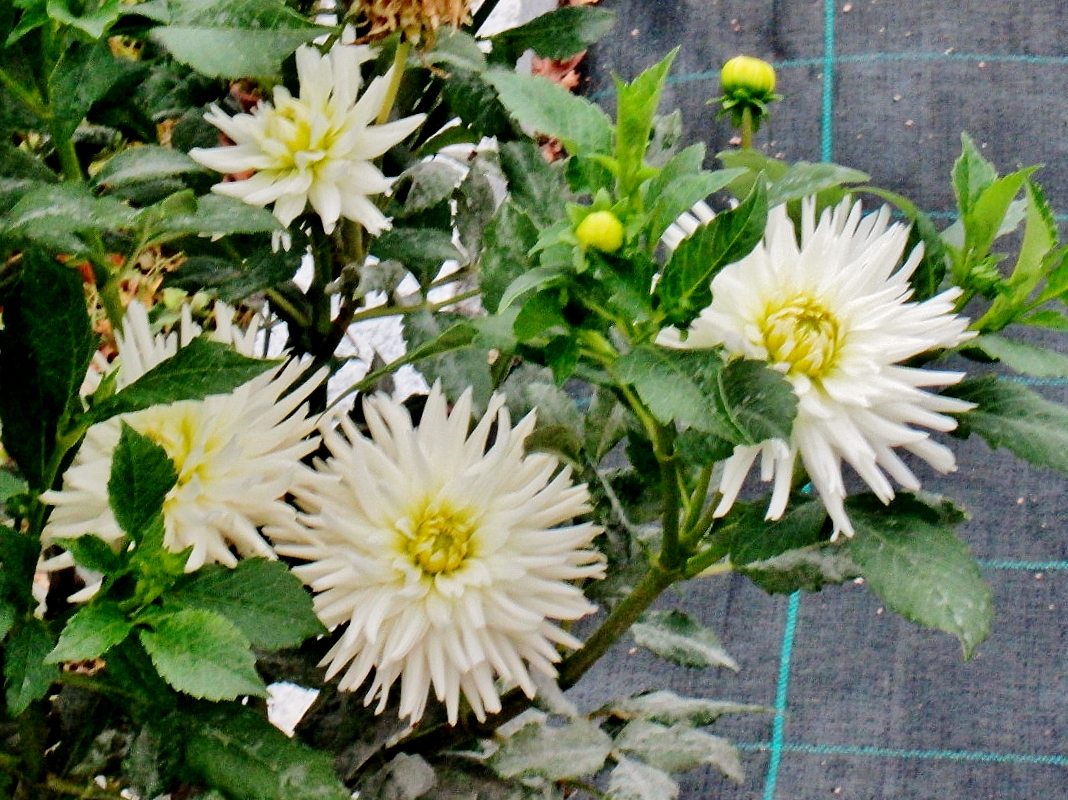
(400, 61)
(656, 580)
(747, 128)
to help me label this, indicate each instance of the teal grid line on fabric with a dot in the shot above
(782, 691)
(890, 752)
(872, 58)
(1025, 566)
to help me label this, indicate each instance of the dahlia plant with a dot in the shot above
(215, 483)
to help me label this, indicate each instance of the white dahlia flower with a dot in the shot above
(447, 556)
(834, 316)
(236, 454)
(316, 148)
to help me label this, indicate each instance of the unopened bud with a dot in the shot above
(601, 230)
(750, 77)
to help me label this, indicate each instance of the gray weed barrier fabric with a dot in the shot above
(862, 703)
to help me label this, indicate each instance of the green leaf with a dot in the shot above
(548, 108)
(743, 402)
(10, 485)
(531, 281)
(457, 337)
(8, 614)
(604, 425)
(94, 22)
(53, 216)
(238, 39)
(972, 174)
(459, 49)
(477, 105)
(155, 755)
(668, 708)
(239, 752)
(681, 639)
(678, 748)
(759, 403)
(91, 552)
(748, 537)
(1011, 415)
(84, 74)
(214, 215)
(91, 632)
(234, 282)
(633, 780)
(1054, 320)
(984, 221)
(505, 252)
(556, 753)
(266, 601)
(806, 569)
(45, 348)
(199, 369)
(803, 179)
(558, 34)
(534, 185)
(18, 563)
(681, 193)
(1040, 237)
(26, 675)
(1029, 359)
(145, 163)
(920, 569)
(636, 105)
(685, 287)
(202, 654)
(424, 185)
(422, 250)
(141, 475)
(664, 379)
(18, 163)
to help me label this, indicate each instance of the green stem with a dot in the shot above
(376, 312)
(705, 567)
(82, 791)
(400, 61)
(68, 159)
(108, 290)
(655, 581)
(290, 311)
(747, 128)
(697, 500)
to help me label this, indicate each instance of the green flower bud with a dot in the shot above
(601, 230)
(750, 77)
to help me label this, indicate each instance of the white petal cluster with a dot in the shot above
(316, 148)
(236, 454)
(833, 314)
(446, 556)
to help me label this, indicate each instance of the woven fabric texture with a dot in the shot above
(863, 704)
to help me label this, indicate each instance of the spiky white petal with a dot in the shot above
(312, 149)
(446, 556)
(236, 454)
(834, 315)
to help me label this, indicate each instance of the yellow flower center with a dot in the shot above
(439, 539)
(178, 429)
(803, 335)
(288, 136)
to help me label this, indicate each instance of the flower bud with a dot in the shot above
(600, 230)
(747, 76)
